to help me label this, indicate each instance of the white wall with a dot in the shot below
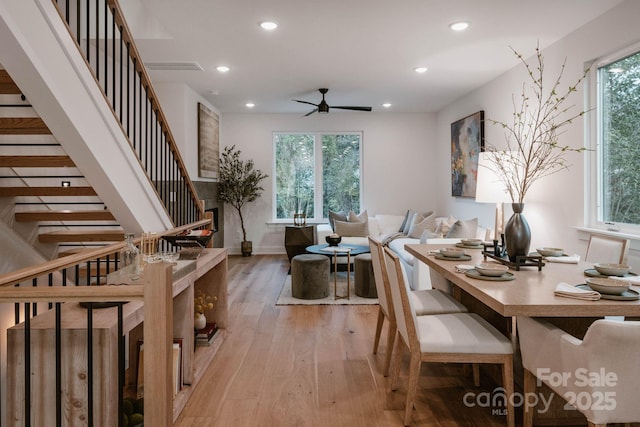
(397, 171)
(555, 205)
(180, 106)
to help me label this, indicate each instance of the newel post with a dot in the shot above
(158, 343)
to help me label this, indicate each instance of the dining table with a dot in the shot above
(531, 292)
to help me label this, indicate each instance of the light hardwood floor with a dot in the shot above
(313, 366)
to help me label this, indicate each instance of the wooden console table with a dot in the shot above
(208, 273)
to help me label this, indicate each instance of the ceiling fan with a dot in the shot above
(323, 107)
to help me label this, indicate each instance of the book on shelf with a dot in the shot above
(207, 332)
(176, 354)
(206, 341)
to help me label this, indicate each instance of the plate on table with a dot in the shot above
(629, 295)
(475, 275)
(592, 272)
(464, 257)
(462, 245)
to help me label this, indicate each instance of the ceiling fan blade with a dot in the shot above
(311, 112)
(352, 108)
(305, 102)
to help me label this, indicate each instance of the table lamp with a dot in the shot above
(491, 189)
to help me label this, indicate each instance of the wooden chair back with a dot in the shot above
(404, 312)
(608, 249)
(381, 276)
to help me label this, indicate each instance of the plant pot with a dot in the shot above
(517, 233)
(246, 247)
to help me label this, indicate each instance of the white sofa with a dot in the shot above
(383, 227)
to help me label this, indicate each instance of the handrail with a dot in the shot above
(31, 272)
(145, 126)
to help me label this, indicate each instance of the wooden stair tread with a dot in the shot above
(46, 191)
(7, 85)
(81, 236)
(32, 216)
(23, 126)
(36, 161)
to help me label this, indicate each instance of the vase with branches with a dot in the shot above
(239, 184)
(533, 150)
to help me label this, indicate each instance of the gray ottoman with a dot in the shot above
(310, 276)
(365, 281)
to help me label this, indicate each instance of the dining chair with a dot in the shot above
(598, 375)
(603, 248)
(443, 338)
(428, 301)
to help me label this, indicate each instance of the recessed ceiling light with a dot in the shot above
(459, 26)
(250, 105)
(420, 70)
(268, 25)
(223, 68)
(386, 105)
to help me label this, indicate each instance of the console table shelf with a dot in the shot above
(208, 273)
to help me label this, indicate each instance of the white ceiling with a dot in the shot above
(364, 51)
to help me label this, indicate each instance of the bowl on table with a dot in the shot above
(452, 252)
(610, 269)
(546, 251)
(607, 285)
(492, 270)
(471, 242)
(333, 239)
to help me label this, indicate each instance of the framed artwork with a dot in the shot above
(467, 141)
(208, 142)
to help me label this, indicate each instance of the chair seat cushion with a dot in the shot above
(434, 301)
(460, 333)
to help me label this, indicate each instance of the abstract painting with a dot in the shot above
(467, 141)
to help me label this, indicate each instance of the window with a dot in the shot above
(316, 172)
(617, 191)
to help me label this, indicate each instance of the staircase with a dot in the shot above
(48, 200)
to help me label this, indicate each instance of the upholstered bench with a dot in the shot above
(310, 276)
(363, 271)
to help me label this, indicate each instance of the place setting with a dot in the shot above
(554, 254)
(470, 244)
(452, 254)
(604, 281)
(486, 271)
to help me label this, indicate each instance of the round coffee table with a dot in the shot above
(337, 251)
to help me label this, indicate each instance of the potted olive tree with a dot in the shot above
(239, 184)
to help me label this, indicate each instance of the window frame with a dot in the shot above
(594, 162)
(318, 216)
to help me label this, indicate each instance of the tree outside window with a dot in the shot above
(619, 134)
(316, 172)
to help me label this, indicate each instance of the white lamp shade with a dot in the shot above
(489, 186)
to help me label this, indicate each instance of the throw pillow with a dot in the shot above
(361, 217)
(420, 224)
(336, 216)
(407, 224)
(404, 221)
(351, 229)
(443, 225)
(464, 229)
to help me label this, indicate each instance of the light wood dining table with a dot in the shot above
(531, 292)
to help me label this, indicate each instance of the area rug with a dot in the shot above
(285, 297)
